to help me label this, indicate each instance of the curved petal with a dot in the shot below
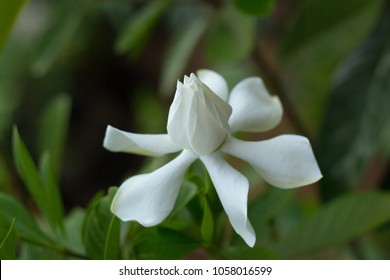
(254, 109)
(215, 82)
(149, 198)
(232, 189)
(117, 140)
(286, 161)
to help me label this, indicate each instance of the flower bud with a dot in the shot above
(198, 118)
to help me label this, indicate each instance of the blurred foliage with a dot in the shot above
(10, 10)
(69, 68)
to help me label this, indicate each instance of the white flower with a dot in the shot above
(201, 119)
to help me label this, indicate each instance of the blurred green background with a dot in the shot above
(69, 68)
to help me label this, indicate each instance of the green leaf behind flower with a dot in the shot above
(8, 13)
(25, 225)
(7, 239)
(323, 34)
(43, 188)
(54, 121)
(101, 229)
(179, 52)
(231, 37)
(255, 8)
(163, 244)
(357, 122)
(337, 222)
(140, 27)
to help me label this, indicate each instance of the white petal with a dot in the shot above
(286, 161)
(149, 198)
(215, 82)
(232, 189)
(254, 109)
(178, 115)
(117, 140)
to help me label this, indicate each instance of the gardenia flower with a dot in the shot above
(201, 121)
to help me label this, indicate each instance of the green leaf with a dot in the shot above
(73, 230)
(139, 28)
(179, 53)
(5, 176)
(163, 244)
(112, 244)
(8, 14)
(255, 7)
(25, 226)
(149, 112)
(101, 229)
(339, 221)
(53, 127)
(58, 37)
(247, 253)
(31, 251)
(324, 33)
(28, 172)
(52, 191)
(265, 207)
(231, 37)
(357, 123)
(207, 226)
(320, 18)
(43, 188)
(187, 192)
(7, 239)
(268, 204)
(262, 210)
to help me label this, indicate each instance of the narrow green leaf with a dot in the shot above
(7, 239)
(339, 221)
(5, 176)
(187, 191)
(163, 244)
(320, 18)
(25, 226)
(140, 26)
(52, 191)
(149, 112)
(28, 172)
(31, 251)
(73, 230)
(268, 204)
(53, 127)
(101, 229)
(179, 53)
(43, 188)
(324, 33)
(8, 14)
(357, 123)
(262, 210)
(255, 8)
(230, 37)
(207, 226)
(112, 244)
(89, 210)
(265, 207)
(59, 35)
